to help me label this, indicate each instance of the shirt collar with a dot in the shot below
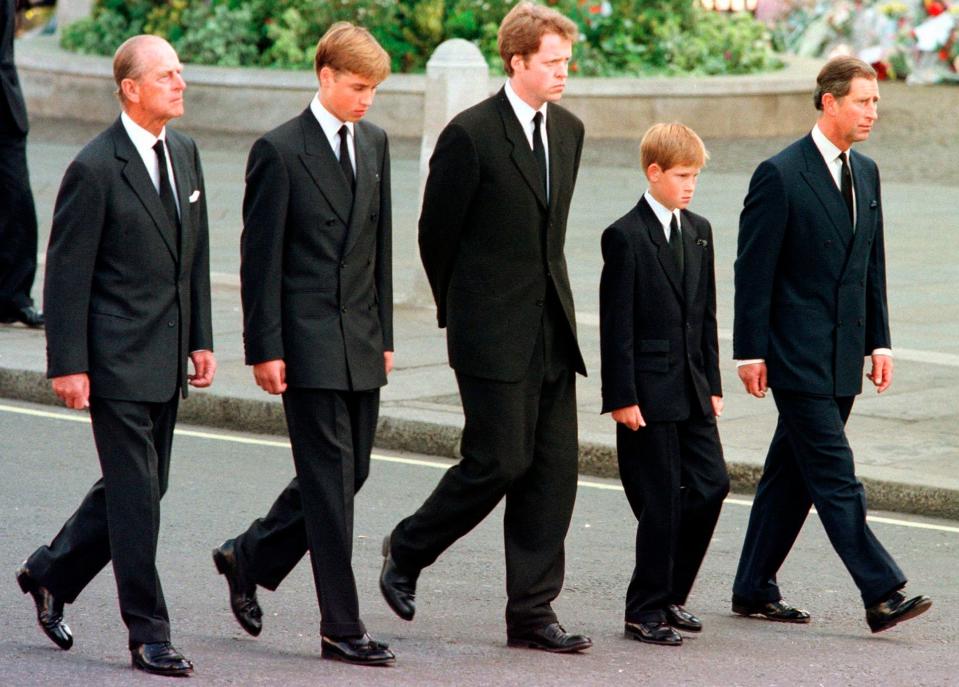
(524, 112)
(328, 122)
(142, 139)
(662, 213)
(826, 148)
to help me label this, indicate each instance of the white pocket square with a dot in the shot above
(195, 196)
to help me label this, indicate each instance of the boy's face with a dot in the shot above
(345, 95)
(673, 187)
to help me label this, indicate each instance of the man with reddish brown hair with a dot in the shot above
(491, 236)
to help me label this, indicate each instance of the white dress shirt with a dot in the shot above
(663, 214)
(144, 141)
(525, 113)
(331, 126)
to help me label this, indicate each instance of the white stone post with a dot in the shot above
(456, 78)
(68, 11)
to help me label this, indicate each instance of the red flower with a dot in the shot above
(882, 70)
(934, 8)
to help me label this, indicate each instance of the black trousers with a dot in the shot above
(332, 436)
(18, 222)
(119, 518)
(519, 442)
(675, 480)
(810, 463)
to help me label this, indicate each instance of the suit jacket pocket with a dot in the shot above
(652, 355)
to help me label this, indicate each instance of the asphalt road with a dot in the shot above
(221, 480)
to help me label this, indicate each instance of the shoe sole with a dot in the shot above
(917, 610)
(638, 638)
(163, 673)
(524, 644)
(685, 628)
(758, 614)
(330, 656)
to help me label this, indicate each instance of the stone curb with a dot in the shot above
(431, 438)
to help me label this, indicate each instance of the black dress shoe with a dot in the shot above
(360, 651)
(49, 609)
(243, 601)
(894, 610)
(398, 586)
(654, 632)
(28, 315)
(681, 619)
(551, 638)
(160, 658)
(779, 611)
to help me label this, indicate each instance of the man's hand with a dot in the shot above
(629, 416)
(271, 376)
(881, 374)
(204, 367)
(754, 378)
(388, 361)
(74, 390)
(717, 402)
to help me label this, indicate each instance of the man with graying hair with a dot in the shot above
(127, 295)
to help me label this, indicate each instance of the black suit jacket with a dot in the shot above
(656, 327)
(13, 111)
(316, 273)
(810, 292)
(490, 242)
(123, 301)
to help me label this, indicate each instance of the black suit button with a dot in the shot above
(343, 309)
(539, 302)
(828, 243)
(330, 222)
(171, 323)
(342, 265)
(859, 322)
(839, 324)
(548, 273)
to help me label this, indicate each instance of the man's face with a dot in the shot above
(345, 95)
(854, 114)
(158, 92)
(541, 77)
(673, 187)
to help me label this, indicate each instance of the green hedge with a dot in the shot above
(625, 37)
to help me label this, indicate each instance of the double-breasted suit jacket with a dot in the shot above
(810, 291)
(127, 296)
(658, 328)
(490, 241)
(316, 264)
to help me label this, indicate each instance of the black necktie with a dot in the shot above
(845, 185)
(676, 244)
(166, 189)
(539, 151)
(345, 164)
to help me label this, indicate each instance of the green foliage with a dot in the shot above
(619, 37)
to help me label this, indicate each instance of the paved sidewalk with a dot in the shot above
(906, 441)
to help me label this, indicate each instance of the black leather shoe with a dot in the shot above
(360, 651)
(398, 586)
(654, 632)
(28, 315)
(550, 637)
(894, 610)
(779, 611)
(160, 658)
(49, 609)
(681, 619)
(243, 601)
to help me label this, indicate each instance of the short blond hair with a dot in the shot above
(346, 47)
(670, 145)
(523, 28)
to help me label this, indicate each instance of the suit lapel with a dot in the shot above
(865, 197)
(135, 174)
(366, 178)
(182, 164)
(820, 180)
(323, 167)
(693, 247)
(658, 237)
(522, 154)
